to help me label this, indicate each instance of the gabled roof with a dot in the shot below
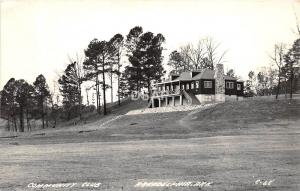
(184, 76)
(205, 74)
(229, 77)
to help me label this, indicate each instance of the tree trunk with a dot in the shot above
(97, 94)
(285, 88)
(21, 119)
(291, 85)
(79, 88)
(15, 123)
(103, 78)
(278, 87)
(87, 97)
(119, 100)
(8, 124)
(43, 114)
(149, 87)
(111, 89)
(28, 121)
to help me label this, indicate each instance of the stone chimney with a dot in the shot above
(219, 83)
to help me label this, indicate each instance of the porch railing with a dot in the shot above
(166, 92)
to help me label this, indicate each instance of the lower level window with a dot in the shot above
(238, 87)
(230, 85)
(207, 84)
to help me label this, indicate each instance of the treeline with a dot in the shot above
(21, 100)
(101, 65)
(281, 76)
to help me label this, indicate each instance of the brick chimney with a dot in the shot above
(219, 83)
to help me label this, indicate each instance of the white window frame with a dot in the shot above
(239, 87)
(207, 84)
(197, 84)
(187, 86)
(192, 85)
(229, 85)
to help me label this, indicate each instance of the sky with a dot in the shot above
(38, 36)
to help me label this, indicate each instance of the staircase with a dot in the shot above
(192, 100)
(195, 101)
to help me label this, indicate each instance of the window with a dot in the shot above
(187, 86)
(192, 85)
(207, 84)
(230, 85)
(197, 84)
(238, 87)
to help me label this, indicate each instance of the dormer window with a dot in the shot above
(207, 84)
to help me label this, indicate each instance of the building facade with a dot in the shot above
(197, 87)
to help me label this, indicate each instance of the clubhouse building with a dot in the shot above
(197, 87)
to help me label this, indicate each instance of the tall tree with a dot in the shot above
(193, 56)
(76, 74)
(8, 103)
(90, 65)
(23, 94)
(116, 44)
(176, 62)
(278, 59)
(134, 70)
(292, 61)
(42, 94)
(145, 57)
(152, 59)
(69, 90)
(214, 55)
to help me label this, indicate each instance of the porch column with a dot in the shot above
(159, 102)
(166, 101)
(173, 100)
(152, 101)
(181, 101)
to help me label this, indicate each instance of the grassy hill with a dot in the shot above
(234, 145)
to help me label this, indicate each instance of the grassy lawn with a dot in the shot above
(231, 145)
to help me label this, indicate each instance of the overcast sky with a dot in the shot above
(38, 36)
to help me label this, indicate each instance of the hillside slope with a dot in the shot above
(247, 117)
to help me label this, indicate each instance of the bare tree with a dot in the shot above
(205, 55)
(212, 52)
(77, 75)
(278, 59)
(193, 56)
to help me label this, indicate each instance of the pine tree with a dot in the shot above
(145, 57)
(8, 103)
(69, 89)
(42, 94)
(116, 43)
(24, 93)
